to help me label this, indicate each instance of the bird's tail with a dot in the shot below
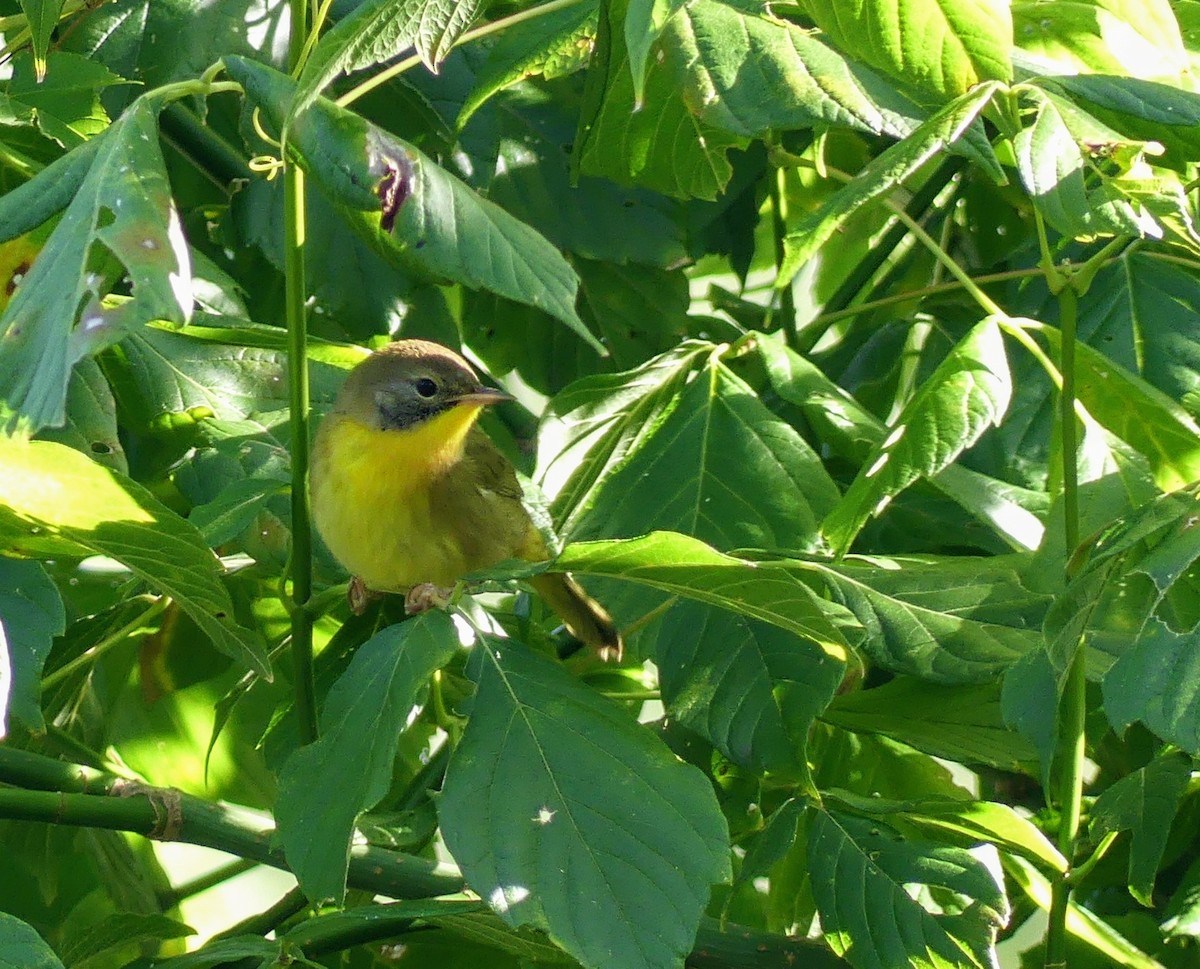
(584, 617)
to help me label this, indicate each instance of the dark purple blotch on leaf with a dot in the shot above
(394, 187)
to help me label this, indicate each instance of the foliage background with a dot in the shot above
(855, 359)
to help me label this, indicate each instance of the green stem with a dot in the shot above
(1069, 312)
(297, 325)
(922, 205)
(269, 919)
(239, 831)
(474, 34)
(211, 879)
(953, 268)
(90, 656)
(212, 155)
(1080, 872)
(1073, 705)
(787, 300)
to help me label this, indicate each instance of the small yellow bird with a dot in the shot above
(409, 494)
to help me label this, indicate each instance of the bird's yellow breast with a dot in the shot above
(375, 504)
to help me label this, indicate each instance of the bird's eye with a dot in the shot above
(426, 387)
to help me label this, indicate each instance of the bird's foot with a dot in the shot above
(425, 596)
(359, 596)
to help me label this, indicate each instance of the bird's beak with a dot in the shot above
(484, 397)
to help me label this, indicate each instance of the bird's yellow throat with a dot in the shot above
(409, 456)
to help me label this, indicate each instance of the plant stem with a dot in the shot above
(119, 806)
(269, 919)
(297, 326)
(90, 656)
(474, 34)
(1073, 705)
(202, 883)
(787, 300)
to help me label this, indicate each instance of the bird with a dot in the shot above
(410, 494)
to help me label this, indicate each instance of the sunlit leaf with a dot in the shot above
(799, 80)
(54, 501)
(121, 220)
(968, 392)
(552, 45)
(377, 31)
(883, 174)
(32, 614)
(656, 142)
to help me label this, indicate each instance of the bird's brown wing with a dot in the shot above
(515, 531)
(493, 522)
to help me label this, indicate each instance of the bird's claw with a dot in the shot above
(359, 596)
(425, 596)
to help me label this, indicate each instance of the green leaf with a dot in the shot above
(1088, 928)
(883, 173)
(32, 203)
(366, 711)
(1060, 178)
(1138, 413)
(879, 925)
(1144, 803)
(695, 472)
(553, 45)
(967, 822)
(773, 843)
(32, 614)
(848, 428)
(90, 946)
(657, 141)
(220, 952)
(1157, 681)
(235, 508)
(91, 425)
(962, 722)
(56, 502)
(589, 217)
(1136, 37)
(798, 80)
(684, 566)
(22, 948)
(161, 375)
(43, 17)
(969, 391)
(645, 21)
(1029, 699)
(378, 31)
(939, 48)
(640, 311)
(1140, 109)
(558, 806)
(66, 104)
(750, 688)
(376, 919)
(413, 210)
(589, 425)
(121, 220)
(954, 620)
